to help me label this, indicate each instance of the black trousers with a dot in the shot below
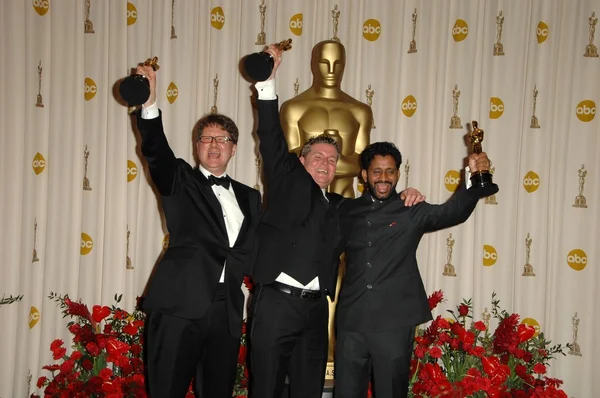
(288, 336)
(387, 353)
(181, 350)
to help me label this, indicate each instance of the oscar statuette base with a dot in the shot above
(591, 51)
(580, 202)
(498, 49)
(449, 270)
(534, 123)
(482, 185)
(575, 350)
(455, 123)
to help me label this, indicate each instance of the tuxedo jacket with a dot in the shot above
(382, 287)
(299, 227)
(186, 276)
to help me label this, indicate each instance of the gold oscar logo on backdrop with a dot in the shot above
(455, 122)
(575, 349)
(460, 30)
(87, 244)
(88, 25)
(448, 267)
(586, 110)
(34, 257)
(131, 14)
(89, 89)
(128, 264)
(38, 163)
(542, 32)
(535, 124)
(490, 255)
(213, 109)
(173, 34)
(412, 47)
(491, 200)
(531, 181)
(41, 6)
(371, 29)
(591, 51)
(217, 18)
(406, 172)
(498, 46)
(533, 323)
(409, 106)
(369, 92)
(496, 107)
(39, 102)
(335, 16)
(165, 242)
(580, 200)
(577, 259)
(296, 24)
(132, 170)
(528, 268)
(86, 182)
(261, 37)
(172, 92)
(451, 180)
(34, 317)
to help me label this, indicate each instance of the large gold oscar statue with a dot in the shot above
(325, 108)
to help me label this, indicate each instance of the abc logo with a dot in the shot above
(131, 14)
(496, 107)
(542, 32)
(586, 110)
(296, 24)
(577, 259)
(132, 170)
(451, 180)
(531, 181)
(38, 163)
(217, 18)
(371, 29)
(86, 244)
(490, 256)
(41, 6)
(409, 106)
(533, 323)
(34, 317)
(172, 92)
(89, 89)
(165, 242)
(460, 30)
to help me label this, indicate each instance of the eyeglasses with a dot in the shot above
(207, 139)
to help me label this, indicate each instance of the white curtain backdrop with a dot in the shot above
(82, 238)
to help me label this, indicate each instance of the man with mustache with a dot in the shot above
(382, 297)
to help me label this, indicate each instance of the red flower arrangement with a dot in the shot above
(106, 354)
(456, 359)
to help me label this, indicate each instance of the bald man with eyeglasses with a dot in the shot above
(194, 302)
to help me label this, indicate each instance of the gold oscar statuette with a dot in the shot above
(406, 171)
(575, 349)
(591, 51)
(412, 48)
(485, 315)
(580, 200)
(34, 258)
(86, 181)
(498, 47)
(448, 267)
(324, 107)
(370, 93)
(481, 180)
(261, 38)
(257, 164)
(213, 109)
(455, 122)
(534, 120)
(128, 264)
(528, 268)
(491, 200)
(173, 35)
(335, 15)
(39, 103)
(87, 24)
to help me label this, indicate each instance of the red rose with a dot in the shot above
(93, 349)
(76, 355)
(479, 325)
(463, 310)
(130, 329)
(41, 381)
(521, 371)
(435, 352)
(539, 368)
(106, 374)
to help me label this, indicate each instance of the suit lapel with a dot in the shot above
(242, 197)
(214, 206)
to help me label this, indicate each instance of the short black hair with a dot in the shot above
(221, 121)
(381, 149)
(320, 139)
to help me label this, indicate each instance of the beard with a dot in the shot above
(385, 191)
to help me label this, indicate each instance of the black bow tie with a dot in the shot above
(222, 181)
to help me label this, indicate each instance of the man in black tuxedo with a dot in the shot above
(194, 299)
(382, 297)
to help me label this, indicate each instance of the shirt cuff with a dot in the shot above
(266, 90)
(150, 112)
(467, 177)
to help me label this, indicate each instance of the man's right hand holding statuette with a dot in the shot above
(481, 178)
